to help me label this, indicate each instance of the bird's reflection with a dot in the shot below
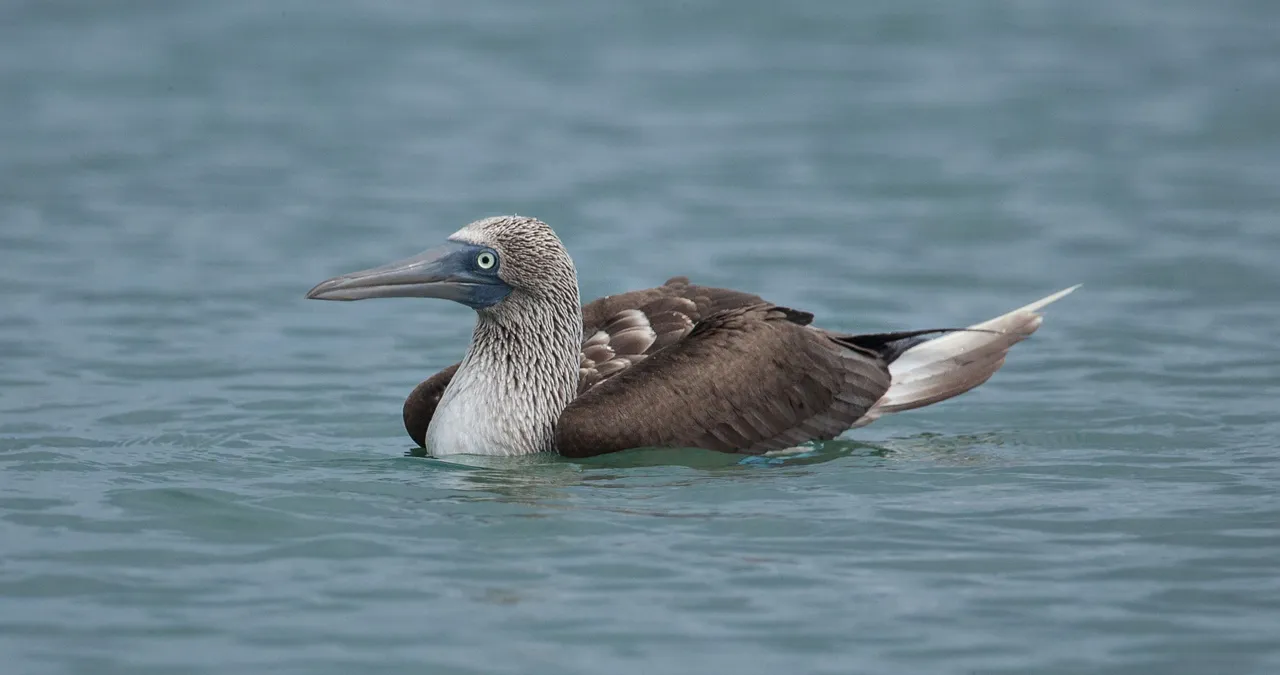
(547, 479)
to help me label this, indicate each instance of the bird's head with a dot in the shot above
(483, 266)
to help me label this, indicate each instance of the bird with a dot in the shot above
(674, 366)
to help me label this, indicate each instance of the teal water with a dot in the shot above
(201, 472)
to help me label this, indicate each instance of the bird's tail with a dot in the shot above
(938, 369)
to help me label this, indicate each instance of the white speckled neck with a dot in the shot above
(519, 374)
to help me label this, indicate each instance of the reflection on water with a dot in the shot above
(535, 478)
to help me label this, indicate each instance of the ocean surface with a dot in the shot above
(202, 472)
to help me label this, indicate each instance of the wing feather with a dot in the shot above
(749, 380)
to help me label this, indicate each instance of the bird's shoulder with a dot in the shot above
(623, 330)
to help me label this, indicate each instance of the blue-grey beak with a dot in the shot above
(447, 272)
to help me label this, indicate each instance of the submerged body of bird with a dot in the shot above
(678, 365)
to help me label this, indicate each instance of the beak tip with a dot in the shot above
(320, 290)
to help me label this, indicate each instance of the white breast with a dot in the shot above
(478, 415)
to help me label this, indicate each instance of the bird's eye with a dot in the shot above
(486, 260)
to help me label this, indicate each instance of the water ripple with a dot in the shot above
(202, 472)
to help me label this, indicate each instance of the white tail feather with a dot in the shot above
(944, 367)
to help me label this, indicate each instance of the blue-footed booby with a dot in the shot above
(678, 365)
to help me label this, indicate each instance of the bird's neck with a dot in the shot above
(519, 374)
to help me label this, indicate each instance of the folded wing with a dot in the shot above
(749, 379)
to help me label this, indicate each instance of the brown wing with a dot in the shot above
(623, 330)
(422, 402)
(618, 332)
(750, 379)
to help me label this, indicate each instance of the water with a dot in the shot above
(201, 472)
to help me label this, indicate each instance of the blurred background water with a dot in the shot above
(201, 472)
